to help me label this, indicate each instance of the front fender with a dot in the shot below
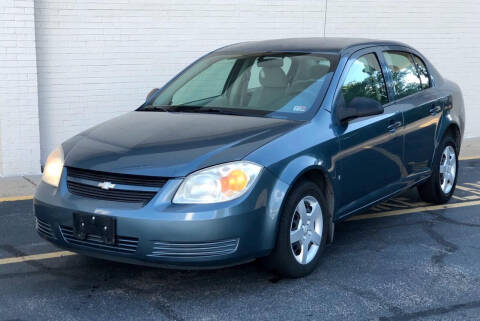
(300, 165)
(312, 146)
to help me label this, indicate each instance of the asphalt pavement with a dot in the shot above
(402, 260)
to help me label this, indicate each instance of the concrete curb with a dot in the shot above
(19, 185)
(470, 147)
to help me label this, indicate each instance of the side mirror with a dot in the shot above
(150, 94)
(360, 107)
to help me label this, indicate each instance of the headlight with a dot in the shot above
(53, 167)
(217, 183)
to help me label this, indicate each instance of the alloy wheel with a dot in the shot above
(306, 229)
(448, 169)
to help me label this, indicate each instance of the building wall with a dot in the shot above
(98, 59)
(446, 32)
(19, 134)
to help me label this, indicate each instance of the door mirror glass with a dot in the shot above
(150, 94)
(361, 107)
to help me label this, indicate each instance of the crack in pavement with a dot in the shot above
(432, 312)
(445, 248)
(448, 247)
(448, 220)
(30, 181)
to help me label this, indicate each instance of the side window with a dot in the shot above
(422, 70)
(210, 83)
(365, 79)
(405, 77)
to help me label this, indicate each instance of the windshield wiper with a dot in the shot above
(191, 109)
(155, 108)
(200, 109)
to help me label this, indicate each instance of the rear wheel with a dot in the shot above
(440, 186)
(302, 232)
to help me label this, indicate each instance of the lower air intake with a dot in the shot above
(193, 250)
(123, 244)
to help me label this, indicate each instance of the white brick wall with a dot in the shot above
(19, 134)
(97, 59)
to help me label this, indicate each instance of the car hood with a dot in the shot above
(170, 144)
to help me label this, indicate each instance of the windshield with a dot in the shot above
(287, 85)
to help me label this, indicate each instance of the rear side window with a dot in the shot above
(406, 80)
(365, 79)
(423, 72)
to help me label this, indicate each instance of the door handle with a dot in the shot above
(393, 126)
(435, 110)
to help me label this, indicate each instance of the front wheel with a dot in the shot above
(440, 186)
(302, 232)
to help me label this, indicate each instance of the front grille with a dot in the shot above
(84, 182)
(115, 178)
(123, 244)
(118, 195)
(44, 228)
(193, 250)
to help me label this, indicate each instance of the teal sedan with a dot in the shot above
(255, 151)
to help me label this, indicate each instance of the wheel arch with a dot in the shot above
(317, 174)
(449, 126)
(454, 130)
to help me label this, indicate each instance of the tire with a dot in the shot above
(440, 187)
(314, 220)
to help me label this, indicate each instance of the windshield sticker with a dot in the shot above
(299, 109)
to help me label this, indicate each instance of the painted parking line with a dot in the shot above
(475, 191)
(413, 210)
(35, 257)
(16, 198)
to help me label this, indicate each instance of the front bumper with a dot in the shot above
(165, 234)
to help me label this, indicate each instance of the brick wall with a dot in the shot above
(98, 59)
(19, 132)
(446, 32)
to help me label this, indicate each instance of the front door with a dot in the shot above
(371, 156)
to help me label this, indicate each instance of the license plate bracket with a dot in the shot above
(98, 225)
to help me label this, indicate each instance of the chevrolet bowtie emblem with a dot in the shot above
(106, 185)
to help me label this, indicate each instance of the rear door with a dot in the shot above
(371, 156)
(421, 108)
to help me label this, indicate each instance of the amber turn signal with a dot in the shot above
(235, 181)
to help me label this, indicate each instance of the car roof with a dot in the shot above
(335, 45)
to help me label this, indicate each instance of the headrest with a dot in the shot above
(270, 62)
(318, 71)
(273, 77)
